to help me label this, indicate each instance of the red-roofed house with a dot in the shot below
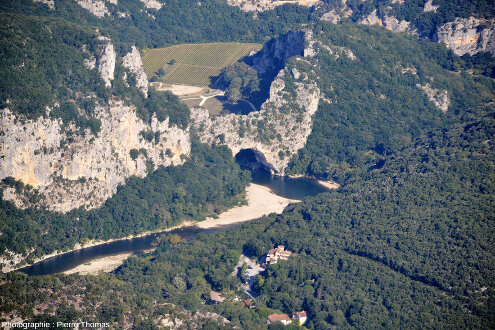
(279, 253)
(282, 318)
(300, 318)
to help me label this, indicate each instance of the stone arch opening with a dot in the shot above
(253, 160)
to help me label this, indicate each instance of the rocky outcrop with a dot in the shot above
(106, 60)
(133, 62)
(152, 4)
(262, 5)
(468, 35)
(277, 131)
(284, 122)
(71, 169)
(439, 98)
(430, 7)
(389, 22)
(95, 7)
(49, 3)
(276, 52)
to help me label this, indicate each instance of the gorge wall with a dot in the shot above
(71, 167)
(284, 122)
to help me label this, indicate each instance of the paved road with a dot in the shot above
(253, 270)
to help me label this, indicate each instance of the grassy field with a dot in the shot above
(194, 63)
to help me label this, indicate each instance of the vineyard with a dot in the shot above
(194, 64)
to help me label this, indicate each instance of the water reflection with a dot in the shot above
(294, 188)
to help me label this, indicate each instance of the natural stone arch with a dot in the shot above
(253, 160)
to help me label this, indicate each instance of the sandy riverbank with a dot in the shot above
(106, 264)
(261, 201)
(328, 184)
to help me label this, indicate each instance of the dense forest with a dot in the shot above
(375, 107)
(407, 241)
(178, 21)
(408, 245)
(207, 183)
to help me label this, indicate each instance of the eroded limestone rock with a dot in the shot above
(106, 61)
(277, 131)
(438, 97)
(133, 62)
(468, 35)
(95, 7)
(87, 170)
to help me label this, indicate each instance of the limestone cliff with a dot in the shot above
(276, 52)
(277, 131)
(133, 62)
(262, 5)
(106, 60)
(389, 22)
(95, 7)
(71, 169)
(49, 3)
(439, 98)
(468, 35)
(153, 4)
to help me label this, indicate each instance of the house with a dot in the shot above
(300, 318)
(248, 303)
(278, 253)
(282, 318)
(216, 297)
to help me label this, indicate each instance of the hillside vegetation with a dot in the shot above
(374, 106)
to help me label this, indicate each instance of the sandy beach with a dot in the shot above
(261, 201)
(328, 184)
(106, 264)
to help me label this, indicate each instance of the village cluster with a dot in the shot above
(272, 257)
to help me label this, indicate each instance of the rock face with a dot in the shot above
(389, 22)
(133, 62)
(429, 7)
(106, 60)
(49, 3)
(438, 97)
(276, 52)
(284, 122)
(95, 7)
(153, 4)
(262, 5)
(87, 170)
(468, 35)
(276, 132)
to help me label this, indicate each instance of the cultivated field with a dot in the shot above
(194, 63)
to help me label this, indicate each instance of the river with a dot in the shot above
(292, 188)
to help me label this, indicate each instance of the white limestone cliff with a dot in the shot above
(439, 98)
(95, 7)
(468, 35)
(152, 4)
(106, 60)
(277, 131)
(87, 170)
(133, 62)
